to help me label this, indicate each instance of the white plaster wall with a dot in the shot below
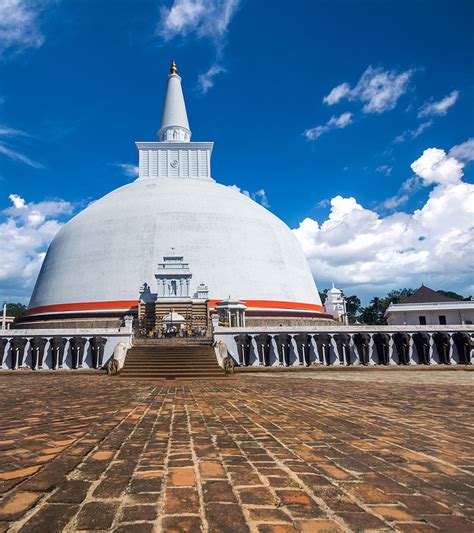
(232, 244)
(453, 316)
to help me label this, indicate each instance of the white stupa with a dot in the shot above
(335, 304)
(230, 244)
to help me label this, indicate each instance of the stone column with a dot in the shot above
(431, 347)
(452, 350)
(411, 350)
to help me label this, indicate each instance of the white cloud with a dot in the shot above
(325, 202)
(358, 247)
(206, 80)
(438, 108)
(208, 19)
(131, 171)
(377, 88)
(394, 201)
(434, 166)
(26, 229)
(463, 152)
(18, 156)
(20, 24)
(412, 184)
(335, 122)
(413, 134)
(337, 94)
(7, 150)
(384, 169)
(259, 196)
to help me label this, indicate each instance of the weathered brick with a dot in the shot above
(211, 470)
(51, 518)
(182, 477)
(181, 501)
(97, 515)
(14, 506)
(134, 513)
(181, 524)
(225, 517)
(256, 496)
(218, 491)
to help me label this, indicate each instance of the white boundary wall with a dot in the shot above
(227, 335)
(112, 336)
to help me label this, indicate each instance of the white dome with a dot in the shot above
(101, 258)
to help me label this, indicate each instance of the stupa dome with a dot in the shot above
(230, 244)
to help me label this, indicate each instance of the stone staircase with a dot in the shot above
(171, 359)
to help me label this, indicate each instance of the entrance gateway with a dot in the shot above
(172, 310)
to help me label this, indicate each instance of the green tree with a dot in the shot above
(352, 307)
(374, 313)
(394, 297)
(17, 310)
(453, 295)
(322, 295)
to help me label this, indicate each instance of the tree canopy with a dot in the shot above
(16, 309)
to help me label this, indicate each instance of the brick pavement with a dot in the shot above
(265, 454)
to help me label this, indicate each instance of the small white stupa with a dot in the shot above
(335, 304)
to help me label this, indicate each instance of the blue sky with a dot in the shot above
(318, 109)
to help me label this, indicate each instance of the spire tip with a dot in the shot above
(173, 68)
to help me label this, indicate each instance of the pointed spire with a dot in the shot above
(174, 119)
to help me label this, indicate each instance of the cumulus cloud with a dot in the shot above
(434, 166)
(259, 196)
(20, 24)
(463, 152)
(335, 122)
(206, 19)
(438, 108)
(356, 246)
(378, 89)
(26, 229)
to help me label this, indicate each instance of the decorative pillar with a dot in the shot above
(431, 358)
(451, 350)
(411, 354)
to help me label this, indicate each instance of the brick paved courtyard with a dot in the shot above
(259, 453)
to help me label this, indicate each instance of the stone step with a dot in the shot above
(171, 360)
(152, 367)
(155, 361)
(174, 371)
(177, 378)
(146, 375)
